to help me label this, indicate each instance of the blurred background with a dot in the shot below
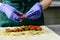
(52, 14)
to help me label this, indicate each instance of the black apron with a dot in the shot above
(23, 6)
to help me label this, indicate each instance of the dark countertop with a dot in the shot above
(55, 28)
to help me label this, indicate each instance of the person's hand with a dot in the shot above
(10, 12)
(35, 11)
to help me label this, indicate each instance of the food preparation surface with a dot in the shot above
(45, 34)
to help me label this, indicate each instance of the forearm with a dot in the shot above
(45, 3)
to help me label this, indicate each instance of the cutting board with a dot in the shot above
(47, 34)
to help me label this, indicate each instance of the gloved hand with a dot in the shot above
(34, 12)
(10, 12)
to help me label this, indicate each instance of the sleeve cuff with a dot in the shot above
(41, 8)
